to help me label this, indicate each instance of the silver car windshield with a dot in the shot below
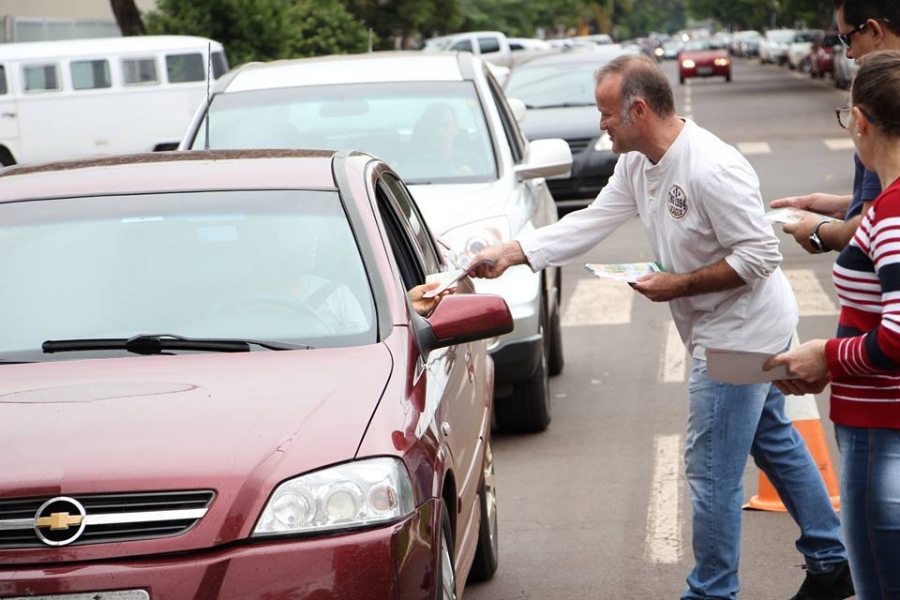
(550, 85)
(257, 265)
(434, 132)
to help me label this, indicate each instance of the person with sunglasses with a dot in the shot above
(863, 362)
(864, 26)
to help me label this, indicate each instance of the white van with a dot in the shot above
(77, 98)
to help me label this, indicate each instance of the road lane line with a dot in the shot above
(812, 300)
(663, 542)
(748, 148)
(674, 357)
(844, 143)
(598, 302)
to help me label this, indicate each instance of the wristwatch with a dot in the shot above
(815, 241)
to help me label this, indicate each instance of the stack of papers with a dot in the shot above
(449, 279)
(738, 367)
(791, 215)
(625, 272)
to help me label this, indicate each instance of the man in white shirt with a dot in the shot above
(699, 201)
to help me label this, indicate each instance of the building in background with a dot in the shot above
(37, 20)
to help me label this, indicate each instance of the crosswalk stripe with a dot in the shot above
(844, 143)
(674, 357)
(811, 297)
(748, 148)
(598, 302)
(663, 540)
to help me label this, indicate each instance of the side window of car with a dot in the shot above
(488, 45)
(404, 249)
(462, 46)
(421, 235)
(510, 125)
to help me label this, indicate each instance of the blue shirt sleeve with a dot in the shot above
(866, 187)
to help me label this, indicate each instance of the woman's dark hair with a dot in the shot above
(857, 12)
(641, 78)
(876, 89)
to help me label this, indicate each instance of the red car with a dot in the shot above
(697, 59)
(821, 59)
(215, 384)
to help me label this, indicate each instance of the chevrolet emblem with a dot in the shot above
(59, 521)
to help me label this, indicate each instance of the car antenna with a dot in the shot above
(208, 76)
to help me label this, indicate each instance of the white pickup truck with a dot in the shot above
(492, 46)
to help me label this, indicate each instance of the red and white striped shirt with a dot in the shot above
(864, 360)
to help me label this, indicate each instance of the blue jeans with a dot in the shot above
(726, 424)
(870, 507)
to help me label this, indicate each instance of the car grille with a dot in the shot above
(579, 145)
(108, 517)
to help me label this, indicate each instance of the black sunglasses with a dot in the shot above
(845, 37)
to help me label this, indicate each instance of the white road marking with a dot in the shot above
(748, 148)
(811, 297)
(663, 541)
(674, 357)
(844, 143)
(598, 302)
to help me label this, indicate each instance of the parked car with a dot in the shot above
(774, 48)
(442, 121)
(697, 59)
(162, 336)
(558, 91)
(821, 59)
(800, 49)
(845, 70)
(492, 46)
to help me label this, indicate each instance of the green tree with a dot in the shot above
(259, 30)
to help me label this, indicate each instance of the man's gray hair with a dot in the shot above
(641, 78)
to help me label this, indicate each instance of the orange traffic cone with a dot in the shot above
(805, 416)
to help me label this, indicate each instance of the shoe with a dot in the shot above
(835, 584)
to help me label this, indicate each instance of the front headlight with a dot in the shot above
(603, 143)
(721, 62)
(468, 240)
(357, 494)
(688, 64)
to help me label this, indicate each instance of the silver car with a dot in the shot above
(442, 121)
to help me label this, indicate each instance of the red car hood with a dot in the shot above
(211, 421)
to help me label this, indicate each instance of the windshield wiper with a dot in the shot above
(163, 342)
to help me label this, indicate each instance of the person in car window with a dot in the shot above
(863, 361)
(438, 140)
(865, 26)
(699, 201)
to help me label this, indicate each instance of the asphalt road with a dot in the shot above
(597, 506)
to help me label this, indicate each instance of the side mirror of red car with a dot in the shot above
(461, 318)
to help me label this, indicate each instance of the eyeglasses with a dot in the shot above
(845, 37)
(843, 116)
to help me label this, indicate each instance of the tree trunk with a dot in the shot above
(128, 17)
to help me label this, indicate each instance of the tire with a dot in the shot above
(527, 410)
(728, 78)
(446, 569)
(681, 80)
(556, 360)
(487, 550)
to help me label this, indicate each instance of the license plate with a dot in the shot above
(704, 70)
(119, 595)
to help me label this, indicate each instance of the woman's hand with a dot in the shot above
(807, 362)
(425, 306)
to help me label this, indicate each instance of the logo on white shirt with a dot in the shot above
(677, 203)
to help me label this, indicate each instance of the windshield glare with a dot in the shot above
(433, 132)
(550, 85)
(262, 265)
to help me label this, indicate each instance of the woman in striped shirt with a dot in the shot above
(863, 361)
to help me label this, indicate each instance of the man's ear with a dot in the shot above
(640, 108)
(878, 31)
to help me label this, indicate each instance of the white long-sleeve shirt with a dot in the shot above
(701, 203)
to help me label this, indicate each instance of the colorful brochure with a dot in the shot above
(625, 272)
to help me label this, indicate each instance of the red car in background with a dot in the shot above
(824, 49)
(698, 59)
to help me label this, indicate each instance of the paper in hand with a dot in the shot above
(738, 367)
(789, 214)
(450, 278)
(626, 272)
